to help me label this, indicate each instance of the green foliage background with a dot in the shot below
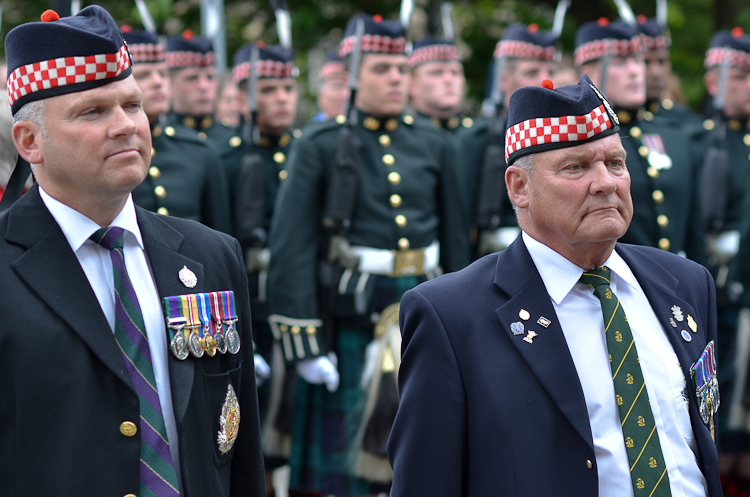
(317, 27)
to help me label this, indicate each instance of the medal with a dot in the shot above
(543, 321)
(217, 315)
(524, 314)
(190, 304)
(677, 313)
(207, 342)
(187, 277)
(176, 324)
(230, 317)
(517, 328)
(706, 384)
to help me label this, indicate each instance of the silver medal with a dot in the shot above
(179, 346)
(194, 344)
(221, 342)
(659, 160)
(233, 340)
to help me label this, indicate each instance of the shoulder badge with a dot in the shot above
(229, 422)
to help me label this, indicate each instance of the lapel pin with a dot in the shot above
(187, 277)
(524, 314)
(673, 322)
(517, 328)
(677, 313)
(692, 324)
(530, 337)
(543, 321)
(686, 336)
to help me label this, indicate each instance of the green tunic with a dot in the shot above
(664, 166)
(454, 125)
(186, 179)
(205, 127)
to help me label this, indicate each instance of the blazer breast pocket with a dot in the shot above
(222, 400)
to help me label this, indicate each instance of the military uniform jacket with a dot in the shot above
(455, 125)
(482, 412)
(186, 179)
(273, 150)
(204, 127)
(65, 386)
(666, 207)
(407, 191)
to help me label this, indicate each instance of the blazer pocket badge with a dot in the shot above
(229, 422)
(706, 384)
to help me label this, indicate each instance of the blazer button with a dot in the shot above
(128, 429)
(589, 464)
(131, 495)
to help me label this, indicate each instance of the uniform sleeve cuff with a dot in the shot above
(298, 337)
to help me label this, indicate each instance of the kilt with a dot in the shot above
(325, 424)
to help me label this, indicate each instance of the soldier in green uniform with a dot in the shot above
(525, 56)
(662, 162)
(185, 178)
(655, 44)
(192, 75)
(371, 207)
(333, 92)
(437, 84)
(725, 186)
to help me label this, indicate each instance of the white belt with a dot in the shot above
(383, 261)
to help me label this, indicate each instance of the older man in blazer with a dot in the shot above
(99, 300)
(518, 379)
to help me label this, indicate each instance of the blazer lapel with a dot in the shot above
(548, 355)
(162, 244)
(51, 269)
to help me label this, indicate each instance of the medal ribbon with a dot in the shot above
(205, 316)
(230, 315)
(217, 310)
(173, 310)
(190, 310)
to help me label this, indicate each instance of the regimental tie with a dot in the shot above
(648, 471)
(157, 473)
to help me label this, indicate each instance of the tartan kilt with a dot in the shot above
(325, 424)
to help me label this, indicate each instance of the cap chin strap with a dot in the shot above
(14, 189)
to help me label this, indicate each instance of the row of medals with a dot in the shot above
(196, 346)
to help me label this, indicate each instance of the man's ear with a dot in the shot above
(27, 136)
(517, 182)
(711, 80)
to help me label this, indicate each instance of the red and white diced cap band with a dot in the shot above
(266, 69)
(64, 71)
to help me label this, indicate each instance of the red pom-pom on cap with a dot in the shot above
(377, 18)
(738, 32)
(126, 29)
(603, 21)
(547, 83)
(641, 19)
(50, 15)
(188, 34)
(533, 28)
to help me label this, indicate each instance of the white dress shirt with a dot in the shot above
(97, 265)
(580, 315)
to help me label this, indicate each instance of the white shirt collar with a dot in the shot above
(77, 228)
(560, 275)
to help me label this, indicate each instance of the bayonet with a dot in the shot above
(146, 19)
(354, 70)
(446, 9)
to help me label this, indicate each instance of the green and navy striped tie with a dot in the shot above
(648, 471)
(157, 473)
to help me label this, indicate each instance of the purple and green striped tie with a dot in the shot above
(157, 473)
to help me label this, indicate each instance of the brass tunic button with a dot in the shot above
(160, 191)
(283, 174)
(667, 104)
(664, 244)
(453, 123)
(746, 139)
(708, 124)
(189, 122)
(734, 125)
(648, 116)
(153, 151)
(408, 120)
(130, 495)
(394, 178)
(296, 329)
(391, 125)
(385, 140)
(310, 330)
(163, 211)
(395, 201)
(658, 196)
(652, 172)
(662, 221)
(169, 130)
(403, 244)
(341, 119)
(207, 122)
(643, 150)
(297, 133)
(370, 123)
(202, 135)
(636, 132)
(467, 122)
(128, 428)
(235, 141)
(284, 140)
(157, 131)
(283, 328)
(389, 160)
(589, 464)
(400, 221)
(154, 172)
(279, 157)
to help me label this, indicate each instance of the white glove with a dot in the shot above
(320, 370)
(262, 370)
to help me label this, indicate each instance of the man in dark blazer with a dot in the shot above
(72, 410)
(505, 380)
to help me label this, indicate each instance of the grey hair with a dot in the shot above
(36, 112)
(8, 153)
(525, 162)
